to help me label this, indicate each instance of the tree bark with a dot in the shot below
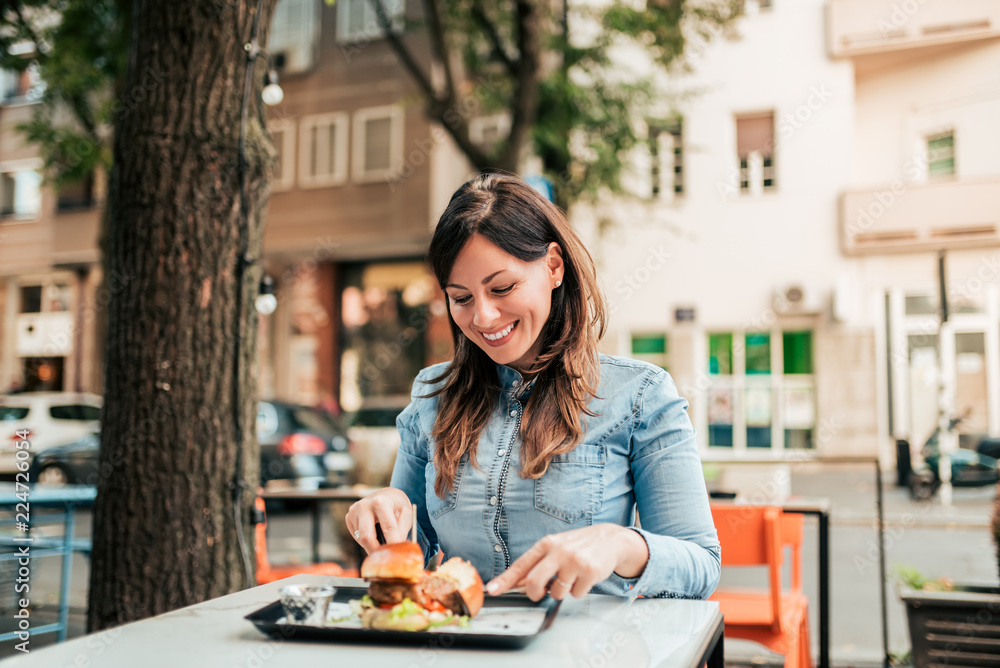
(166, 526)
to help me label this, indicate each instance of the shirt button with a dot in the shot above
(493, 500)
(516, 382)
(501, 452)
(513, 412)
(496, 548)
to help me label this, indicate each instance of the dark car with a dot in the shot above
(302, 444)
(305, 446)
(75, 463)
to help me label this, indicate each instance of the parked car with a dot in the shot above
(300, 446)
(75, 463)
(48, 418)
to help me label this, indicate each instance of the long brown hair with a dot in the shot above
(513, 216)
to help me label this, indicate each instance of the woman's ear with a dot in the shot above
(554, 263)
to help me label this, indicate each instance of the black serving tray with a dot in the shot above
(267, 620)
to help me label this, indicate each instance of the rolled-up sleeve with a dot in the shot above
(408, 475)
(671, 499)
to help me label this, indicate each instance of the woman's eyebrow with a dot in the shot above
(485, 280)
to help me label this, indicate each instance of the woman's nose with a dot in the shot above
(486, 314)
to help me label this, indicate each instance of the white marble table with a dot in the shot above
(596, 631)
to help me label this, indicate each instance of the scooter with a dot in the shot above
(968, 468)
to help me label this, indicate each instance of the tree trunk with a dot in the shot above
(166, 525)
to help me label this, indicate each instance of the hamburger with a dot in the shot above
(403, 596)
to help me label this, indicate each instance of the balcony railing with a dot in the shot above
(860, 27)
(905, 217)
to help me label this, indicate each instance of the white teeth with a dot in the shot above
(500, 335)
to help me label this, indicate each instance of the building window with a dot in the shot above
(796, 350)
(31, 299)
(941, 154)
(760, 396)
(667, 151)
(322, 150)
(20, 193)
(755, 150)
(294, 35)
(378, 143)
(76, 194)
(650, 348)
(357, 20)
(283, 139)
(24, 86)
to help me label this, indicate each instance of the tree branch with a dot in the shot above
(443, 110)
(479, 14)
(525, 104)
(437, 43)
(385, 23)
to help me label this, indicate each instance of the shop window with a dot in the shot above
(720, 416)
(758, 354)
(757, 389)
(720, 354)
(650, 348)
(797, 352)
(394, 323)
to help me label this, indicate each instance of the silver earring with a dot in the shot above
(558, 283)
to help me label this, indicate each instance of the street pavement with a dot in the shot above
(938, 541)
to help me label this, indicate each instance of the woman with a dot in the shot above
(529, 453)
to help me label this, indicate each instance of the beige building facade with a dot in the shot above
(781, 260)
(360, 176)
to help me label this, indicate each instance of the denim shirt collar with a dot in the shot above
(511, 380)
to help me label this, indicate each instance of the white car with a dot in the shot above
(47, 419)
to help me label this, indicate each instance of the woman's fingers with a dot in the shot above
(389, 508)
(519, 569)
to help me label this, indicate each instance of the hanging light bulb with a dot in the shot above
(272, 93)
(266, 302)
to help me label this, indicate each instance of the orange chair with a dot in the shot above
(268, 573)
(779, 620)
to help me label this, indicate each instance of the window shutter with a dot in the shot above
(755, 134)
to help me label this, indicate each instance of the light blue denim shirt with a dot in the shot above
(637, 453)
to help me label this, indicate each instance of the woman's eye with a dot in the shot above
(503, 291)
(461, 300)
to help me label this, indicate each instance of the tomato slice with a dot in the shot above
(435, 606)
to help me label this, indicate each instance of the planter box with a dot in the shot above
(954, 628)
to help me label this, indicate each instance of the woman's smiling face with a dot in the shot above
(502, 303)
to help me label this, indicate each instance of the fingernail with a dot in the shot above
(492, 588)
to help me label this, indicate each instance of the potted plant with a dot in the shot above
(954, 624)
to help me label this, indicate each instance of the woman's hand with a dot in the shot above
(574, 561)
(390, 508)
